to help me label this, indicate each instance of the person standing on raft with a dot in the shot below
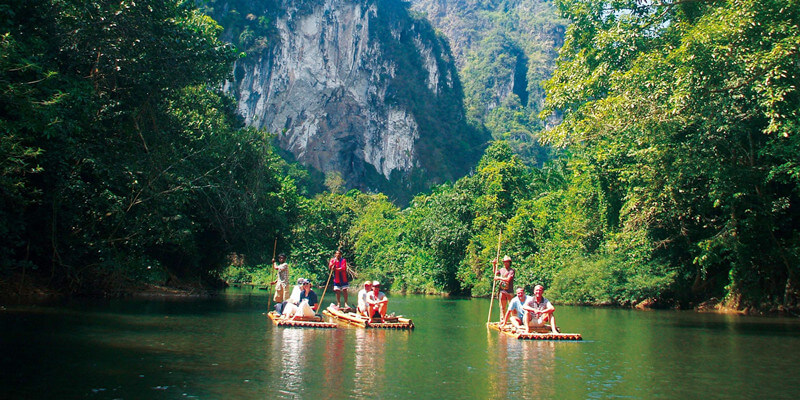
(505, 279)
(340, 284)
(282, 283)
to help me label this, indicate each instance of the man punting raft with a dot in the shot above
(338, 267)
(371, 311)
(300, 309)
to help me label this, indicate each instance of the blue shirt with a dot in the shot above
(517, 305)
(312, 297)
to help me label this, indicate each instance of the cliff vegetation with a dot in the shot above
(677, 185)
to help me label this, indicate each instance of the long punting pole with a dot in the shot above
(324, 290)
(494, 282)
(274, 247)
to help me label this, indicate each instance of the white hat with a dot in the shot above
(506, 258)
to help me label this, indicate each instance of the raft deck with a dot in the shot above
(539, 333)
(300, 322)
(390, 322)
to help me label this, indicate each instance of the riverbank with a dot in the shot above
(19, 288)
(33, 288)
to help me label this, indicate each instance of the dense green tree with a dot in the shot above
(123, 165)
(436, 233)
(689, 111)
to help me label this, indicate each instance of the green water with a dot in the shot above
(226, 348)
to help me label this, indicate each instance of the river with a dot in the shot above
(226, 348)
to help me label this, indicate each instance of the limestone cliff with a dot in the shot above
(355, 87)
(504, 50)
(525, 35)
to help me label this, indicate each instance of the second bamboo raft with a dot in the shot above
(539, 333)
(392, 322)
(300, 322)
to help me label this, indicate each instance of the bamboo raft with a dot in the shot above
(390, 322)
(300, 322)
(539, 333)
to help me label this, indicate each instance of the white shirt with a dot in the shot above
(539, 307)
(372, 298)
(362, 298)
(294, 298)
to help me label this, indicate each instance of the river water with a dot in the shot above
(226, 348)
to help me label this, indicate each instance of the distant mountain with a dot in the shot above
(504, 49)
(359, 88)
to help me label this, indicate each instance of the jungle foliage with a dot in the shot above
(504, 50)
(121, 163)
(684, 115)
(677, 184)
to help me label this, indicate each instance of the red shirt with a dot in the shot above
(339, 270)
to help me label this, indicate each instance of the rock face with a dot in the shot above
(359, 88)
(525, 33)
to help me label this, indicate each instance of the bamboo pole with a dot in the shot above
(494, 281)
(274, 247)
(325, 289)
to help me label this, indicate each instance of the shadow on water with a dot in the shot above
(735, 324)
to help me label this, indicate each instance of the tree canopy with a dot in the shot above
(122, 161)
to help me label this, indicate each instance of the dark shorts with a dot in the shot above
(340, 286)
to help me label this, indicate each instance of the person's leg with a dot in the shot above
(279, 293)
(288, 310)
(382, 310)
(338, 296)
(503, 299)
(345, 297)
(552, 319)
(305, 310)
(516, 322)
(371, 312)
(528, 321)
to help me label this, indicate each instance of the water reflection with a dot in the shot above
(521, 367)
(370, 360)
(335, 351)
(226, 348)
(289, 344)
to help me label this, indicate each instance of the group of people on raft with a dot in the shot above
(522, 311)
(303, 302)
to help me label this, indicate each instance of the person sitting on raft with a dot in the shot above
(306, 303)
(377, 303)
(362, 298)
(516, 313)
(540, 309)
